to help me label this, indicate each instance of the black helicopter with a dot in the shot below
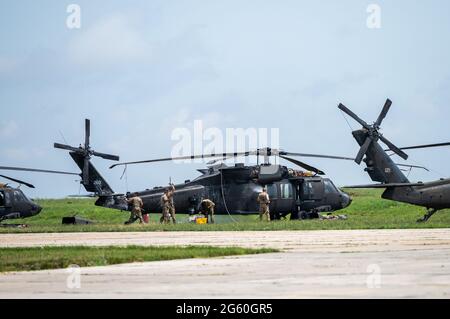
(14, 204)
(434, 196)
(234, 189)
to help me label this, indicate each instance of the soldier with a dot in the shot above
(264, 201)
(136, 209)
(165, 205)
(207, 207)
(171, 203)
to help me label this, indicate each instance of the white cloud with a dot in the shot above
(110, 41)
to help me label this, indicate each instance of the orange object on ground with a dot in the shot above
(145, 218)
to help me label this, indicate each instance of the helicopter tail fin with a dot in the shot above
(380, 167)
(94, 183)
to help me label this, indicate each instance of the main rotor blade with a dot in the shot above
(423, 146)
(7, 168)
(303, 165)
(260, 152)
(66, 147)
(343, 108)
(82, 196)
(394, 148)
(191, 157)
(18, 181)
(388, 185)
(316, 156)
(383, 113)
(87, 128)
(106, 156)
(363, 150)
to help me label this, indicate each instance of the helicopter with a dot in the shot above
(434, 196)
(234, 189)
(14, 204)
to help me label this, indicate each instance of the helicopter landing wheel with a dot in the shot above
(427, 216)
(309, 215)
(295, 216)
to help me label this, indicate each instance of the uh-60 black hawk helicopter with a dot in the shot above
(434, 195)
(14, 204)
(234, 189)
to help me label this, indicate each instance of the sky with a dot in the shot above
(141, 69)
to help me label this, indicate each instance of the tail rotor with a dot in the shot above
(86, 152)
(373, 134)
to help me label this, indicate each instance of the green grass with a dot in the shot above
(368, 211)
(27, 259)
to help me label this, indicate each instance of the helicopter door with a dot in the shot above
(311, 193)
(273, 195)
(312, 190)
(285, 201)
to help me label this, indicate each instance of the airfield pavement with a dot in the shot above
(412, 263)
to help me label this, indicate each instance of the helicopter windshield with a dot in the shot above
(2, 198)
(329, 187)
(19, 196)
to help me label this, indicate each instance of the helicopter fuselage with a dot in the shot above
(14, 204)
(431, 195)
(234, 190)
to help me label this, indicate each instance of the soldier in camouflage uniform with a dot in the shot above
(207, 207)
(136, 209)
(165, 205)
(171, 203)
(264, 201)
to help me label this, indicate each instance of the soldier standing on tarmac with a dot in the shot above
(136, 209)
(168, 206)
(165, 205)
(171, 203)
(264, 201)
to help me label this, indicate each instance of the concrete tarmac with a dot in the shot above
(312, 264)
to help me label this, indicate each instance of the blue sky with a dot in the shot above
(139, 69)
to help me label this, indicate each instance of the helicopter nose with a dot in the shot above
(35, 210)
(346, 200)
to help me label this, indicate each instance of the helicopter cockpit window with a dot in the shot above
(286, 191)
(272, 191)
(329, 187)
(18, 196)
(308, 189)
(2, 198)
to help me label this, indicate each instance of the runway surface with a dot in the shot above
(312, 264)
